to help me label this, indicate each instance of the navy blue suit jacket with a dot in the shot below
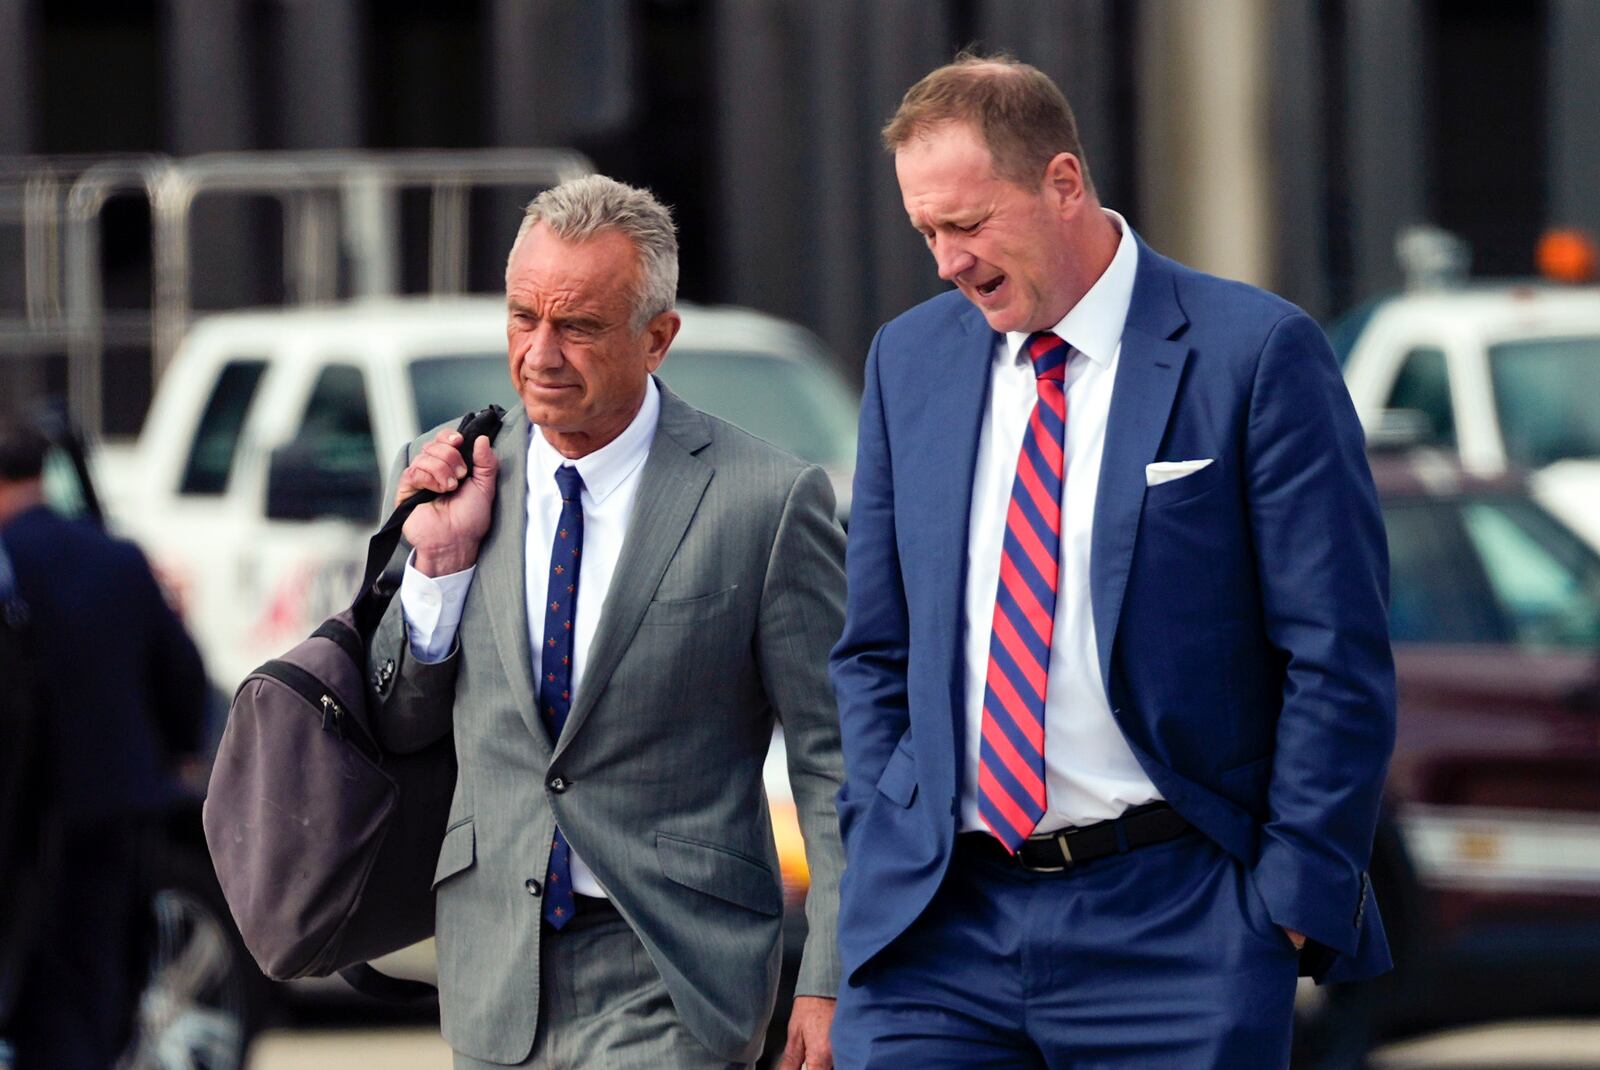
(123, 686)
(1239, 612)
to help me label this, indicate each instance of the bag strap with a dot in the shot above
(367, 610)
(372, 599)
(369, 982)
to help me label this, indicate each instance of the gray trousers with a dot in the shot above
(603, 1005)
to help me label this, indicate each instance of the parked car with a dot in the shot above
(257, 477)
(1505, 376)
(1488, 863)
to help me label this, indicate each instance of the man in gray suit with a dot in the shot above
(611, 612)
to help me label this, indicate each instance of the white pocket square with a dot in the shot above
(1166, 471)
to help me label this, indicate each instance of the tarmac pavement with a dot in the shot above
(1561, 1045)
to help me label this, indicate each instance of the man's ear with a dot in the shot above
(1063, 177)
(660, 332)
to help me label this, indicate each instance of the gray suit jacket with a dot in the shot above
(725, 601)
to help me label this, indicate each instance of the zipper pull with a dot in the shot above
(331, 713)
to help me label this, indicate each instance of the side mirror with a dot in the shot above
(307, 483)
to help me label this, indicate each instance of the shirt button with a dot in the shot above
(533, 887)
(558, 784)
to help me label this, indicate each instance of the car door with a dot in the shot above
(1495, 616)
(317, 503)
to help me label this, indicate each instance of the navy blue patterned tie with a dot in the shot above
(555, 683)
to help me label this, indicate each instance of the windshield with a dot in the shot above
(447, 387)
(1545, 581)
(799, 405)
(1489, 569)
(1545, 392)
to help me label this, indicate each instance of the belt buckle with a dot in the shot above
(1066, 856)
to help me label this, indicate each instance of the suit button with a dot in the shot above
(558, 784)
(533, 887)
(384, 676)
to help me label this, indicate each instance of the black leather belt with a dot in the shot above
(1054, 852)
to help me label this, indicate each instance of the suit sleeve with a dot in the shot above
(411, 700)
(802, 610)
(869, 663)
(1323, 572)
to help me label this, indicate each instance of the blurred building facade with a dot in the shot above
(1280, 141)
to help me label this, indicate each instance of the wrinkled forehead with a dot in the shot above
(600, 270)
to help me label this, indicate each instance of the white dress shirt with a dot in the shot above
(610, 483)
(1090, 774)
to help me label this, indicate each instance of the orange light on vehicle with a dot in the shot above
(1566, 255)
(791, 849)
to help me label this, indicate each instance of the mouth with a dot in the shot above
(547, 388)
(988, 289)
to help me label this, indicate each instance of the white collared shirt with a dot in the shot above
(1090, 773)
(610, 483)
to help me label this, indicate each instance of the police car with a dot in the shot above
(1504, 376)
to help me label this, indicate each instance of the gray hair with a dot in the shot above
(578, 209)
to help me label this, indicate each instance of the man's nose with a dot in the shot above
(951, 259)
(542, 348)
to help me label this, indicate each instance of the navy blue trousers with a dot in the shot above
(1163, 957)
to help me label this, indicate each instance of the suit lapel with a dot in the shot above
(502, 571)
(670, 489)
(954, 397)
(1149, 370)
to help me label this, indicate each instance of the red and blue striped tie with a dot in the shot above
(1011, 790)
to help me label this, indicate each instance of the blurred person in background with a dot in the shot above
(610, 613)
(121, 695)
(1115, 683)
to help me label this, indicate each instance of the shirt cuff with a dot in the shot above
(432, 608)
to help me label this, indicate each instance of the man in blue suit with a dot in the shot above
(122, 690)
(1115, 683)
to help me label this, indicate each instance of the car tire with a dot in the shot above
(201, 997)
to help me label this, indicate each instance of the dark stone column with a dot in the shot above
(1296, 107)
(209, 90)
(766, 140)
(844, 156)
(562, 69)
(18, 102)
(908, 40)
(320, 69)
(1574, 136)
(812, 225)
(1384, 145)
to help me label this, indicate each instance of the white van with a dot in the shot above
(257, 479)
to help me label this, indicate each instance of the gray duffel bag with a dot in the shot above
(323, 842)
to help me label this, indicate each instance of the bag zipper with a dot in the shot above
(335, 718)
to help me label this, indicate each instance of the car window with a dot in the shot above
(799, 405)
(217, 438)
(1437, 590)
(448, 386)
(337, 432)
(1544, 394)
(1423, 386)
(1546, 582)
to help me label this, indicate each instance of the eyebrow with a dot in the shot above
(582, 320)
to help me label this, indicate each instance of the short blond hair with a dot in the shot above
(1023, 118)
